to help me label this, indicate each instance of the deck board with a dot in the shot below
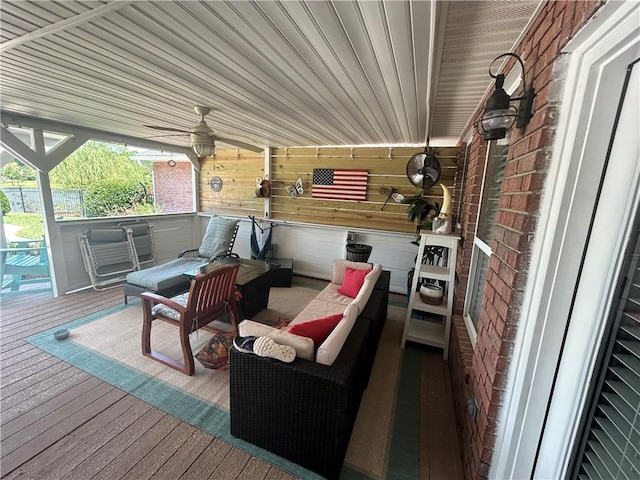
(207, 461)
(138, 449)
(60, 422)
(27, 399)
(232, 463)
(184, 456)
(45, 433)
(439, 452)
(65, 400)
(43, 377)
(116, 445)
(147, 466)
(71, 450)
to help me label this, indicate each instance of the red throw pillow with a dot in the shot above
(353, 280)
(318, 330)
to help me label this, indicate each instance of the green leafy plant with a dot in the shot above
(419, 210)
(112, 198)
(432, 255)
(4, 202)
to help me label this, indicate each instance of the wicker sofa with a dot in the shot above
(305, 411)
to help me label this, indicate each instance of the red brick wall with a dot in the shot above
(173, 187)
(480, 373)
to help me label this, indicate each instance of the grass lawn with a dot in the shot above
(31, 225)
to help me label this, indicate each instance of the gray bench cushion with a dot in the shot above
(217, 237)
(216, 241)
(166, 275)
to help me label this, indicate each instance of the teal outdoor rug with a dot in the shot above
(385, 440)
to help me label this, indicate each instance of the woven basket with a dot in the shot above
(358, 252)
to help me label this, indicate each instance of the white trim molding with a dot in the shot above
(594, 74)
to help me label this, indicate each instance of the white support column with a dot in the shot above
(51, 233)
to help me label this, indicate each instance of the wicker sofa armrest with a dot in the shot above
(302, 411)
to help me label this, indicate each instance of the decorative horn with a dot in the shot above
(444, 222)
(447, 207)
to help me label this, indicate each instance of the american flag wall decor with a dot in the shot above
(333, 184)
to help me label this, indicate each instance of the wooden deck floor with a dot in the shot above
(59, 422)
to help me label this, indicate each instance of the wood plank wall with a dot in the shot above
(386, 167)
(238, 170)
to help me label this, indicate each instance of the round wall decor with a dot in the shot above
(216, 184)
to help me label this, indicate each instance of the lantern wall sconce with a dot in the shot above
(499, 115)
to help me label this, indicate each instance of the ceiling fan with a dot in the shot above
(202, 137)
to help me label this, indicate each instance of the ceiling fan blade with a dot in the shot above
(414, 170)
(163, 135)
(239, 144)
(167, 129)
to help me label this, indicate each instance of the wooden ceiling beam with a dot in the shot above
(45, 162)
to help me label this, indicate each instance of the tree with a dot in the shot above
(17, 172)
(113, 183)
(95, 162)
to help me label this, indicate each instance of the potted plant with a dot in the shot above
(433, 216)
(423, 213)
(432, 255)
(419, 210)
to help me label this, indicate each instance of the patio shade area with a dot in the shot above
(59, 419)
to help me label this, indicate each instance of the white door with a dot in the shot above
(589, 200)
(605, 429)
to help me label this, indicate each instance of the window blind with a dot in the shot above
(496, 164)
(491, 193)
(479, 278)
(610, 446)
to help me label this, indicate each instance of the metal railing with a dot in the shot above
(27, 200)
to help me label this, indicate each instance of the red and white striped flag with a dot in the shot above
(333, 184)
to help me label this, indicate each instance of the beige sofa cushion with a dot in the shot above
(302, 345)
(327, 302)
(340, 266)
(318, 308)
(367, 287)
(329, 350)
(330, 294)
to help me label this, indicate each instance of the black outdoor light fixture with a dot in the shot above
(499, 115)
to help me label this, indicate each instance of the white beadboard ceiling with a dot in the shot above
(276, 73)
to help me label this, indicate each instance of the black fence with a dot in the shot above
(27, 200)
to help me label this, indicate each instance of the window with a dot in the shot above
(103, 179)
(495, 164)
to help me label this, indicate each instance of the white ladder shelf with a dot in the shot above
(435, 333)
